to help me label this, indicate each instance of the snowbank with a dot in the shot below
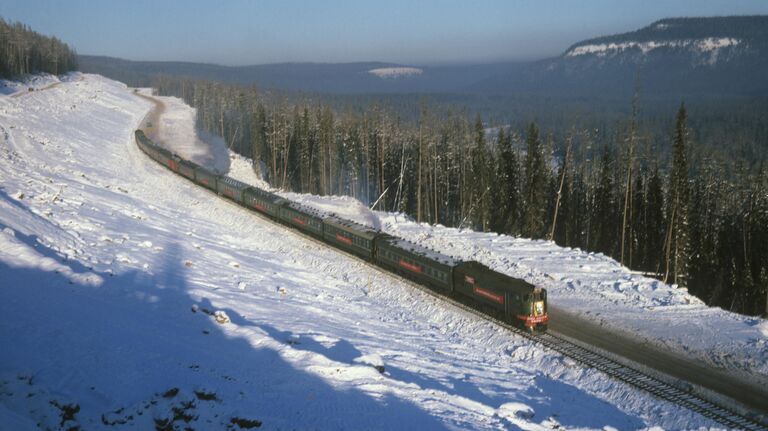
(114, 271)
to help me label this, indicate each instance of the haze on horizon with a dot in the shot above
(242, 32)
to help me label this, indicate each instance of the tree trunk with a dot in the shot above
(560, 190)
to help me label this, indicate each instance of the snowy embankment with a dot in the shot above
(591, 286)
(133, 299)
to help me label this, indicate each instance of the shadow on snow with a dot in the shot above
(135, 337)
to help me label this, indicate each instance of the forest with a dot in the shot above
(24, 51)
(687, 205)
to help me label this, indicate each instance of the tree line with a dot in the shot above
(659, 206)
(24, 51)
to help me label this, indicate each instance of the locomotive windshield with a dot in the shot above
(539, 298)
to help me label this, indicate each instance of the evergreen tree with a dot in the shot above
(508, 199)
(605, 208)
(654, 225)
(677, 249)
(481, 166)
(24, 51)
(536, 180)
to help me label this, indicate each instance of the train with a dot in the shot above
(509, 299)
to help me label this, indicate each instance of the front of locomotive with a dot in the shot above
(535, 317)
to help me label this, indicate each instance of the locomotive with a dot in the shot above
(509, 299)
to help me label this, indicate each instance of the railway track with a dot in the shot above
(648, 383)
(582, 354)
(588, 357)
(623, 372)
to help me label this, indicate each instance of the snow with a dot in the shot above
(189, 142)
(705, 45)
(396, 72)
(30, 83)
(597, 288)
(131, 298)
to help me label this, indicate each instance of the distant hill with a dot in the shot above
(677, 56)
(363, 77)
(672, 57)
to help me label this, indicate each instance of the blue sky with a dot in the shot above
(237, 32)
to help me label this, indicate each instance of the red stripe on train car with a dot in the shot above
(489, 295)
(299, 221)
(410, 267)
(343, 239)
(259, 206)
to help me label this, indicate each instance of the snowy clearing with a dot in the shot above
(133, 299)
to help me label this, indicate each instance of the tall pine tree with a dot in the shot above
(677, 251)
(535, 207)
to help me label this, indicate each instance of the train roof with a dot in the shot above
(335, 220)
(349, 225)
(233, 182)
(306, 209)
(421, 250)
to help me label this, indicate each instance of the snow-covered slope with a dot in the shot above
(707, 49)
(132, 299)
(698, 41)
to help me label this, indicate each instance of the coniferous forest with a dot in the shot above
(686, 204)
(24, 51)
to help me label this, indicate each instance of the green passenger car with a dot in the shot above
(231, 188)
(205, 178)
(303, 218)
(263, 201)
(415, 262)
(350, 236)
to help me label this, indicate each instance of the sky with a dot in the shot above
(417, 32)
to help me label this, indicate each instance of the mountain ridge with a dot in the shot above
(670, 57)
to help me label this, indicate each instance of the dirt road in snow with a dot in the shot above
(22, 93)
(150, 124)
(749, 394)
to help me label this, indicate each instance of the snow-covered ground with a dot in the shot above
(589, 285)
(176, 124)
(33, 83)
(131, 298)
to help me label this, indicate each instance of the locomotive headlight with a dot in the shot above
(538, 308)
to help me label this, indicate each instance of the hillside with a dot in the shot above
(133, 299)
(24, 51)
(677, 56)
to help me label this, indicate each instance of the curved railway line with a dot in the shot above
(656, 383)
